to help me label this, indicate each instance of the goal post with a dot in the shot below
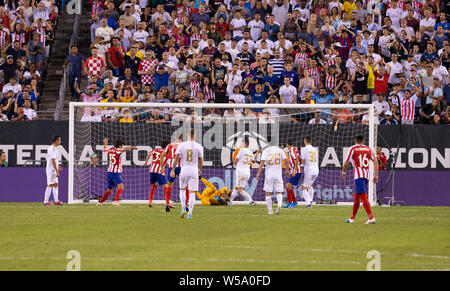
(220, 128)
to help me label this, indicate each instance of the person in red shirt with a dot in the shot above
(382, 160)
(381, 81)
(115, 57)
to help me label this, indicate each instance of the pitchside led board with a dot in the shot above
(419, 148)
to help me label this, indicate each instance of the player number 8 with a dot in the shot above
(189, 155)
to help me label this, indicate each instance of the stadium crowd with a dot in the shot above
(26, 36)
(393, 53)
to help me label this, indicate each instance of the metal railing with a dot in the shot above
(62, 88)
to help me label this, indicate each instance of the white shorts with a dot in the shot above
(189, 177)
(51, 177)
(309, 176)
(242, 178)
(273, 183)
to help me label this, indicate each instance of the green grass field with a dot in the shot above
(134, 237)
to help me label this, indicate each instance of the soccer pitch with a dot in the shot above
(135, 237)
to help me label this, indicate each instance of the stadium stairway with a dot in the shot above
(50, 93)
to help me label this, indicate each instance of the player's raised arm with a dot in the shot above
(150, 153)
(261, 166)
(129, 148)
(105, 143)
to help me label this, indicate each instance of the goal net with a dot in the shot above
(220, 129)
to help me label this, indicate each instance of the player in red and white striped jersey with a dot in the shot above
(407, 108)
(168, 158)
(295, 173)
(114, 178)
(156, 172)
(360, 156)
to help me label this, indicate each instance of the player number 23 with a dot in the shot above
(274, 159)
(247, 159)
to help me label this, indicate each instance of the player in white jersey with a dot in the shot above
(243, 162)
(275, 160)
(310, 159)
(191, 155)
(53, 158)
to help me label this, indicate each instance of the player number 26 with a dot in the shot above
(274, 159)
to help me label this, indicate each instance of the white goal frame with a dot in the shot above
(74, 105)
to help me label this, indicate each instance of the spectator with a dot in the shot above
(76, 62)
(3, 159)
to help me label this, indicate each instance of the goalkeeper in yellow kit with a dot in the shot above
(212, 196)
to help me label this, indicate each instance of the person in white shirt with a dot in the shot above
(394, 69)
(233, 79)
(28, 111)
(381, 106)
(288, 93)
(317, 119)
(427, 23)
(394, 13)
(91, 116)
(243, 162)
(190, 153)
(256, 26)
(237, 25)
(106, 33)
(310, 159)
(52, 170)
(274, 158)
(140, 34)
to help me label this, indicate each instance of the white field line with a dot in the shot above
(313, 250)
(263, 214)
(230, 260)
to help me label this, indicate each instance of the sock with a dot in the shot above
(169, 192)
(167, 195)
(355, 206)
(366, 205)
(182, 199)
(191, 204)
(55, 194)
(246, 196)
(152, 193)
(311, 194)
(288, 196)
(279, 200)
(118, 194)
(293, 199)
(233, 194)
(48, 191)
(187, 196)
(105, 196)
(269, 203)
(306, 195)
